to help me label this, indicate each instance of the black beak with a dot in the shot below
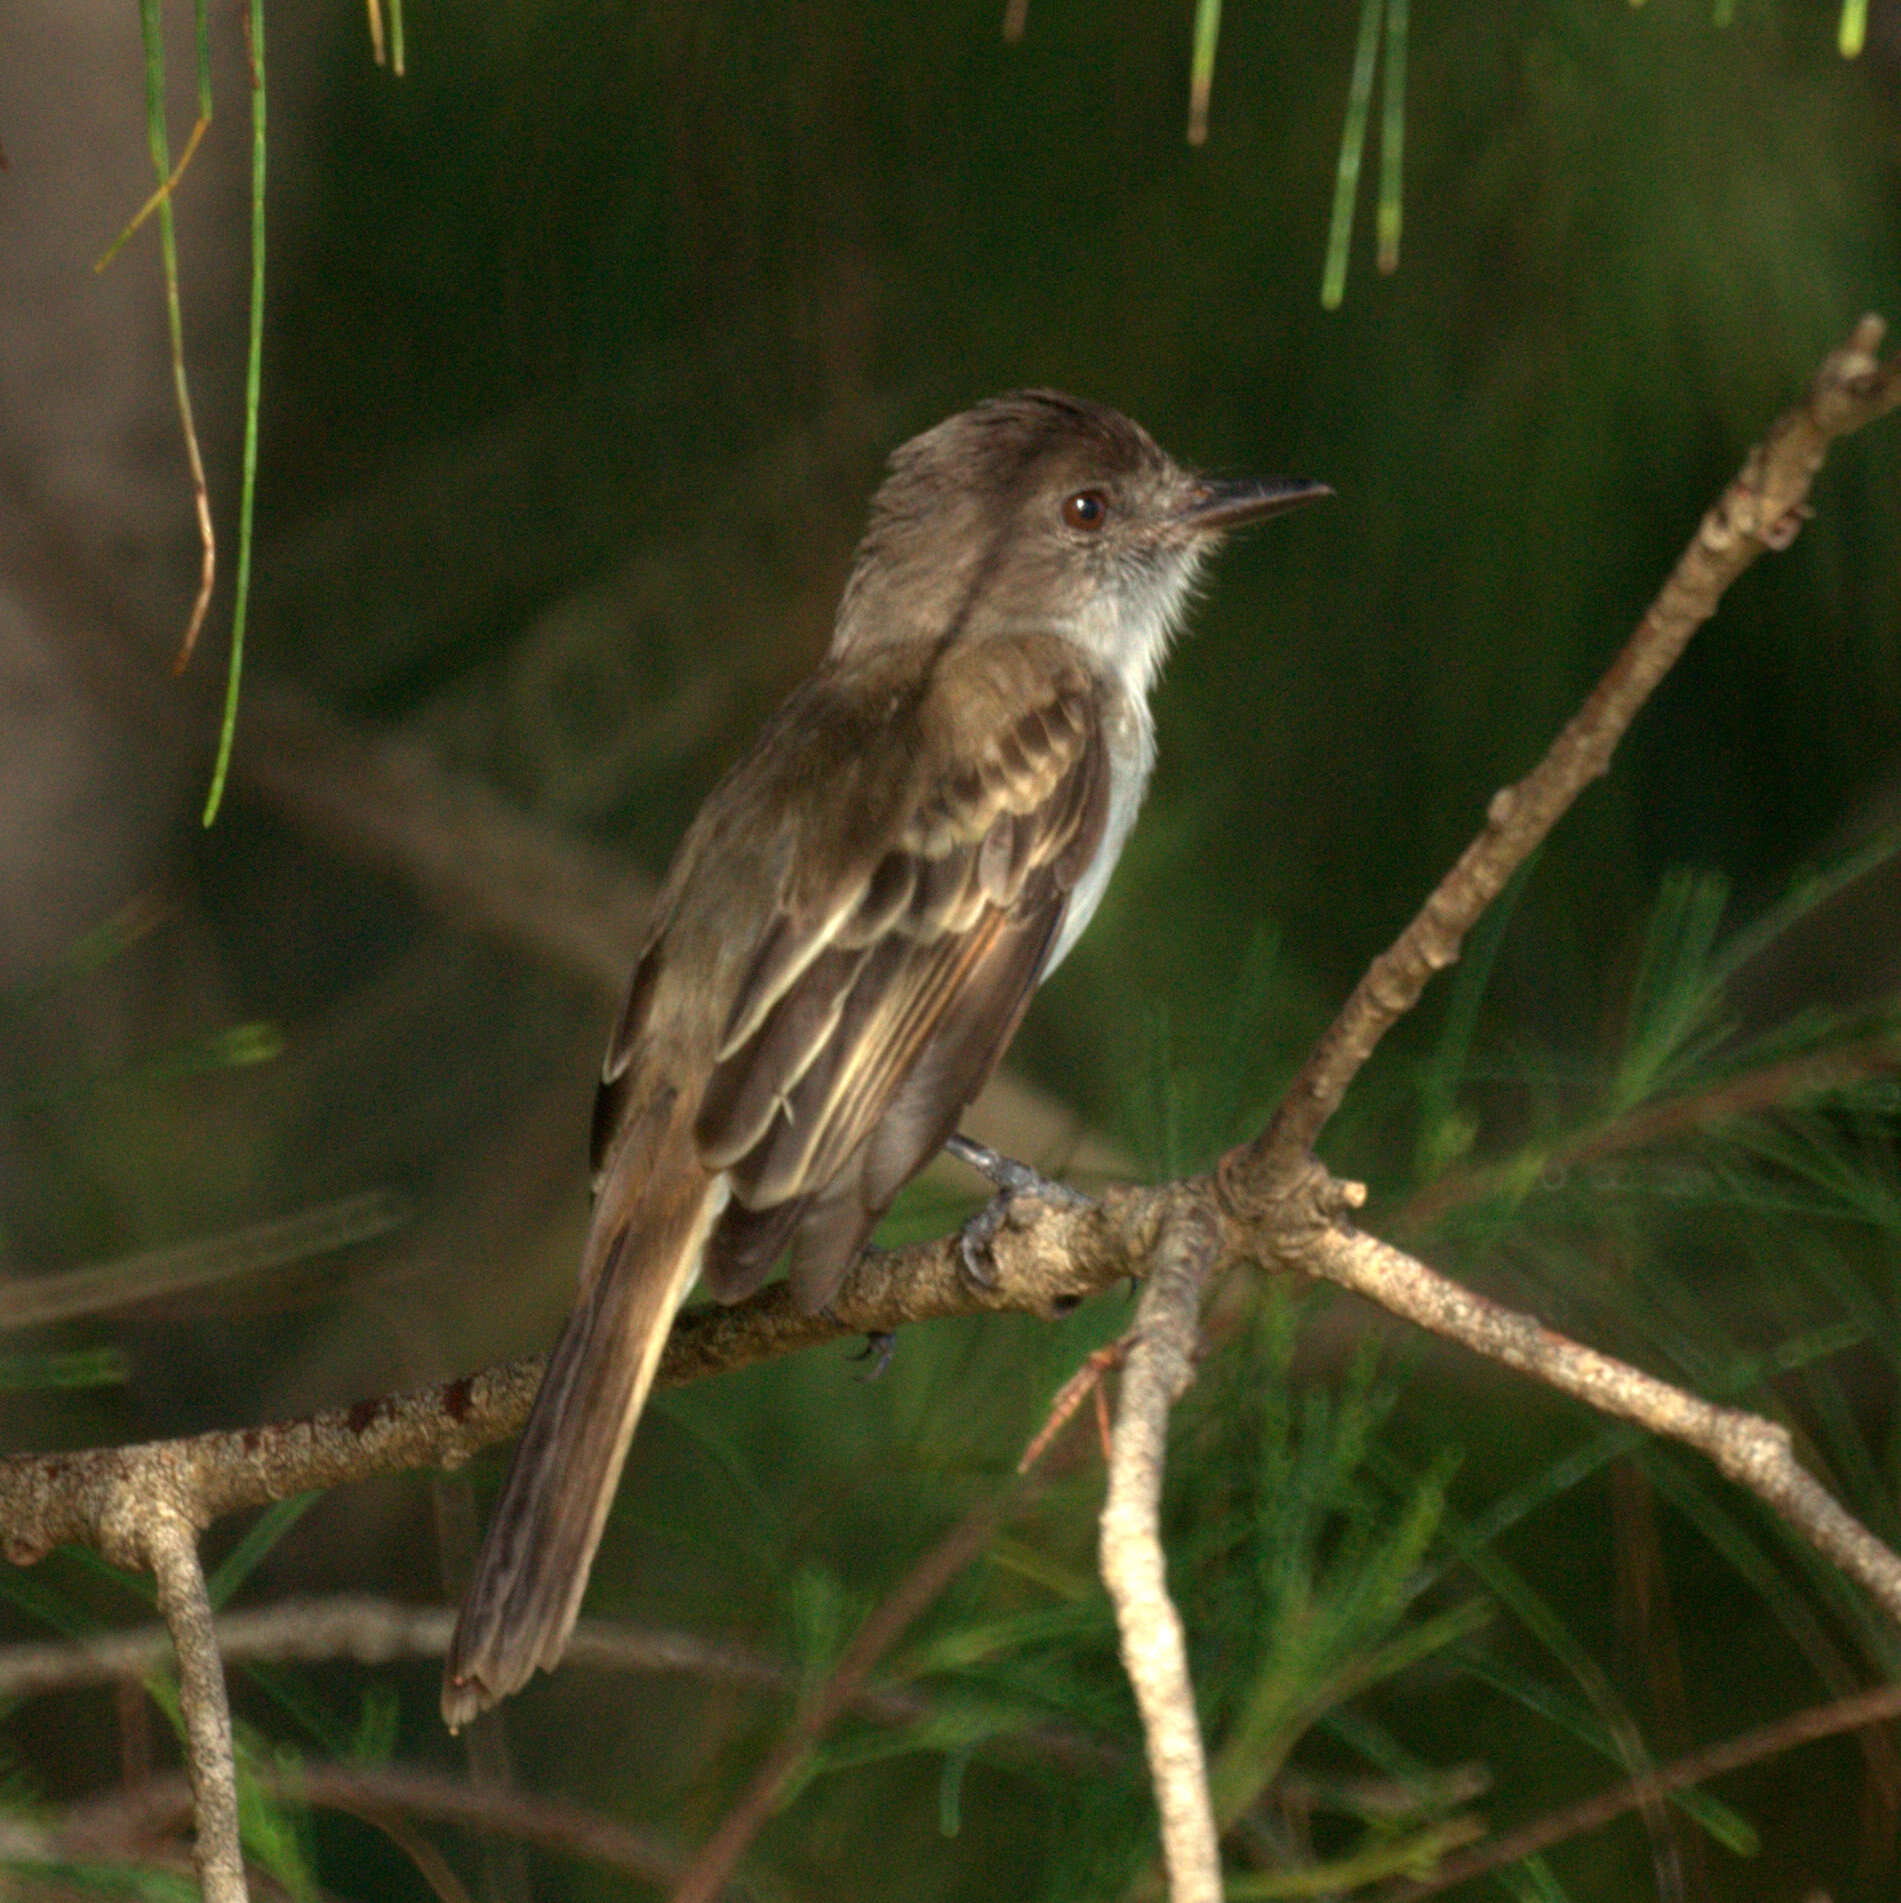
(1228, 505)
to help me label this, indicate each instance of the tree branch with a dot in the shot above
(171, 1549)
(367, 1630)
(1755, 1453)
(1761, 509)
(1267, 1202)
(110, 1826)
(712, 1869)
(102, 1496)
(1046, 1258)
(1157, 1372)
(1878, 1706)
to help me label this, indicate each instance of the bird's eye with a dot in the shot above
(1086, 509)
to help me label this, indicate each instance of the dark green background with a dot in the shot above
(586, 341)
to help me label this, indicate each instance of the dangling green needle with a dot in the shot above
(1201, 71)
(253, 373)
(1346, 184)
(1392, 136)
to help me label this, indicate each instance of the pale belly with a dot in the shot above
(1131, 739)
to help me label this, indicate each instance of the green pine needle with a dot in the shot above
(253, 377)
(1201, 72)
(1346, 186)
(255, 1547)
(1392, 138)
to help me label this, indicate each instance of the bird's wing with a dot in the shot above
(903, 916)
(874, 1008)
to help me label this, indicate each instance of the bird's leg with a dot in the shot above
(880, 1344)
(879, 1347)
(1010, 1179)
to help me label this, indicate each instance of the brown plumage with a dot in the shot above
(852, 929)
(868, 1003)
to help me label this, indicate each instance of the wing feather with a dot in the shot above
(875, 1011)
(743, 1098)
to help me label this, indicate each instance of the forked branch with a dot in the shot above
(1156, 1372)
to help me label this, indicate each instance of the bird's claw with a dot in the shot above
(1011, 1180)
(974, 1240)
(879, 1347)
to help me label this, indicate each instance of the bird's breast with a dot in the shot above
(1129, 734)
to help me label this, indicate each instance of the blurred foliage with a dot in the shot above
(586, 338)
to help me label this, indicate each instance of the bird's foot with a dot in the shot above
(879, 1347)
(1011, 1180)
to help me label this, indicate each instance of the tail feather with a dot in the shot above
(534, 1563)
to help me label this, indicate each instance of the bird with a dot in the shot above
(853, 926)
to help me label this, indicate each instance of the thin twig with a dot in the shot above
(1086, 1381)
(168, 185)
(33, 1301)
(1879, 1706)
(369, 1631)
(1754, 1452)
(108, 1825)
(913, 1595)
(1159, 1366)
(1775, 1086)
(152, 32)
(171, 1548)
(1761, 509)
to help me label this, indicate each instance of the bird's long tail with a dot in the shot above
(643, 1255)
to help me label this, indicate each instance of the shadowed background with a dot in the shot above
(586, 340)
